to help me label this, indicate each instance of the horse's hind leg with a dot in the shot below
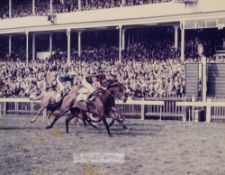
(107, 126)
(49, 116)
(55, 119)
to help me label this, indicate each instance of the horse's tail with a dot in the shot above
(37, 97)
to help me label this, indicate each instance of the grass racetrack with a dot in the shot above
(150, 147)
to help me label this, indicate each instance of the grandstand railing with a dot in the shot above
(173, 108)
(214, 108)
(141, 108)
(160, 108)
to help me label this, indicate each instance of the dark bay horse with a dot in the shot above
(101, 106)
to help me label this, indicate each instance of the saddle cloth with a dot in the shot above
(83, 94)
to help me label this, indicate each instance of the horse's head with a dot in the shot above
(118, 90)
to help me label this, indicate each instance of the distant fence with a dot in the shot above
(141, 108)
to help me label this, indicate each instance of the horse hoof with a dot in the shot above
(125, 128)
(110, 135)
(32, 121)
(48, 127)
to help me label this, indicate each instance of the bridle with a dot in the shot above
(111, 86)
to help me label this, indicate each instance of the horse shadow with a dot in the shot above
(133, 130)
(8, 128)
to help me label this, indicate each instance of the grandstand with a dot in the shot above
(169, 54)
(147, 50)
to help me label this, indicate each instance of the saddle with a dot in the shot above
(93, 95)
(84, 95)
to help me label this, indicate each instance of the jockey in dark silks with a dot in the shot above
(61, 79)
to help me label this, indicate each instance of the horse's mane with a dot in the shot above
(108, 83)
(114, 83)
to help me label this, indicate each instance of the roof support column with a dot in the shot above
(176, 36)
(33, 7)
(79, 5)
(123, 3)
(51, 7)
(50, 43)
(27, 47)
(182, 41)
(120, 42)
(79, 43)
(68, 31)
(10, 8)
(10, 45)
(33, 46)
(123, 39)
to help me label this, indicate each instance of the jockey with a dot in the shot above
(63, 78)
(92, 83)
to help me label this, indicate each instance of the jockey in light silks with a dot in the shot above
(92, 83)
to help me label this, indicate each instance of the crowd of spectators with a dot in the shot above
(149, 67)
(42, 7)
(68, 6)
(4, 9)
(18, 9)
(143, 71)
(153, 78)
(143, 2)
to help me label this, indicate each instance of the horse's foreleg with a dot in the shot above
(84, 118)
(107, 126)
(120, 119)
(70, 117)
(111, 123)
(74, 113)
(122, 124)
(35, 118)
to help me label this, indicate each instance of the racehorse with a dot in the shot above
(100, 106)
(49, 102)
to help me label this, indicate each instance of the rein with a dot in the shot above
(111, 86)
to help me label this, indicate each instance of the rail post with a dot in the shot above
(142, 111)
(32, 107)
(208, 111)
(160, 113)
(4, 108)
(0, 110)
(16, 108)
(192, 110)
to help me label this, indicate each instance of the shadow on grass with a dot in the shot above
(19, 128)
